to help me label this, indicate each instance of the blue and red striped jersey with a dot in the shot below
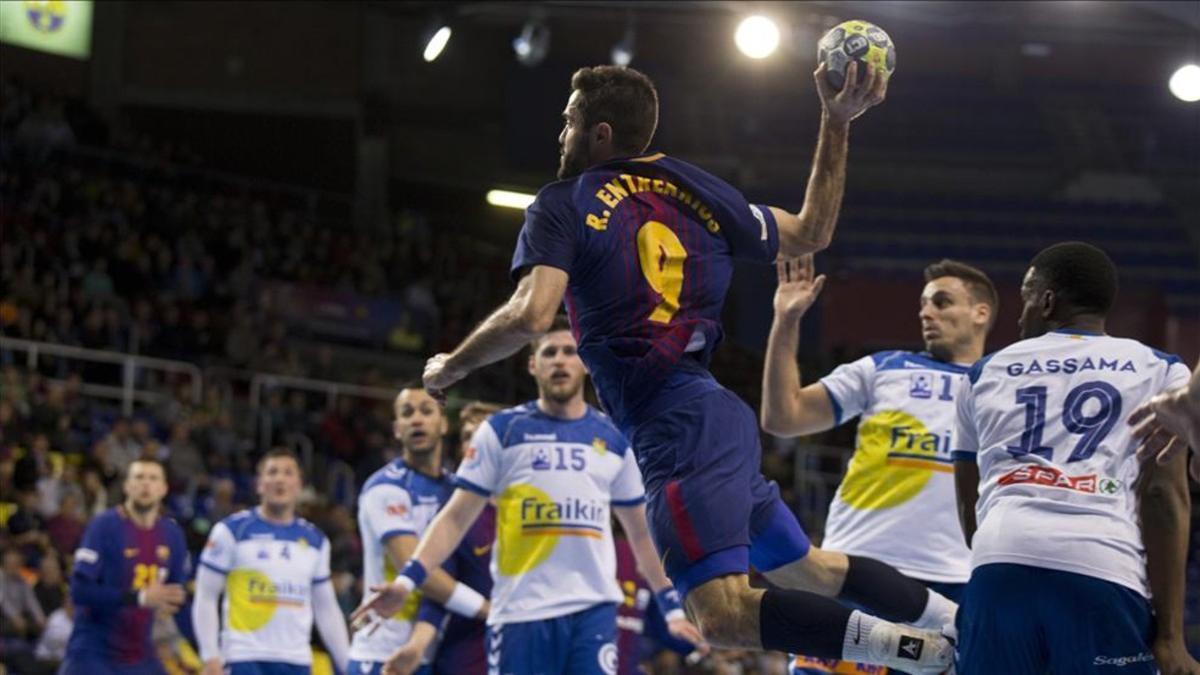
(115, 560)
(648, 244)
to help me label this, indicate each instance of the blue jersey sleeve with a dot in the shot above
(95, 553)
(549, 235)
(755, 235)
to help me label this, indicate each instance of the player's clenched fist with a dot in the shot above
(797, 289)
(439, 376)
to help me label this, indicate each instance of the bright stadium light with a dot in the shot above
(1185, 83)
(757, 36)
(622, 52)
(509, 199)
(533, 43)
(436, 43)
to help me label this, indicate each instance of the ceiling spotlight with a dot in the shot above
(1185, 83)
(622, 52)
(533, 43)
(757, 36)
(509, 199)
(436, 39)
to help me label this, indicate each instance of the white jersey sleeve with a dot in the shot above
(966, 437)
(849, 388)
(321, 570)
(220, 552)
(627, 488)
(480, 470)
(1178, 375)
(388, 510)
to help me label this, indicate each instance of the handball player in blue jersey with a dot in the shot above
(131, 563)
(641, 248)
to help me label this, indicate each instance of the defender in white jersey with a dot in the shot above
(1062, 569)
(558, 470)
(273, 569)
(896, 503)
(395, 506)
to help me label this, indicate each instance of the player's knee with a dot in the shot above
(726, 612)
(821, 572)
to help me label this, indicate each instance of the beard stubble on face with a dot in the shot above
(573, 160)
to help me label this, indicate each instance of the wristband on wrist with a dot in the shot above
(413, 573)
(140, 598)
(670, 604)
(465, 601)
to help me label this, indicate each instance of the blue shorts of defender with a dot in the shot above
(803, 665)
(86, 664)
(1022, 620)
(583, 643)
(266, 668)
(710, 510)
(376, 667)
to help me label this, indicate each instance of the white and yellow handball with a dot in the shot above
(859, 41)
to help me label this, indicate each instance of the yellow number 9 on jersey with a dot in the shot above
(661, 256)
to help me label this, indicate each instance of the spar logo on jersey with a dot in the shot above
(1051, 477)
(398, 510)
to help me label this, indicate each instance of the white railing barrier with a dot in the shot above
(130, 364)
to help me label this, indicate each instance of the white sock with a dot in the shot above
(854, 645)
(939, 611)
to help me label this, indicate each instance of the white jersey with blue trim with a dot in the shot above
(270, 571)
(897, 502)
(1045, 419)
(554, 481)
(395, 501)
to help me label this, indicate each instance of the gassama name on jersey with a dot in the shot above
(1069, 366)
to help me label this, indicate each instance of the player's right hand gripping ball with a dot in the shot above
(855, 40)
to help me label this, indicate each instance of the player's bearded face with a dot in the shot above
(145, 486)
(557, 367)
(572, 142)
(419, 424)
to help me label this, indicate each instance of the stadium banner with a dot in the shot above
(62, 27)
(345, 316)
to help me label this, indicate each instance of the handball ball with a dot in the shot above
(855, 41)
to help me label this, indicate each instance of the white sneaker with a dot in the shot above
(911, 650)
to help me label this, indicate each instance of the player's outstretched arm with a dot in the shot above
(637, 532)
(811, 230)
(1164, 509)
(789, 408)
(443, 535)
(527, 315)
(1169, 423)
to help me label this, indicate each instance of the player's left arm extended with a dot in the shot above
(1164, 510)
(811, 230)
(527, 315)
(966, 486)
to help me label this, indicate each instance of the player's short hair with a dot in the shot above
(561, 322)
(1081, 275)
(623, 97)
(477, 411)
(978, 284)
(275, 453)
(147, 460)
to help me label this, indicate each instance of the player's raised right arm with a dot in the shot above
(789, 408)
(811, 230)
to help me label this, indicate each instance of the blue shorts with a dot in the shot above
(710, 510)
(375, 667)
(1022, 620)
(583, 643)
(87, 664)
(266, 668)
